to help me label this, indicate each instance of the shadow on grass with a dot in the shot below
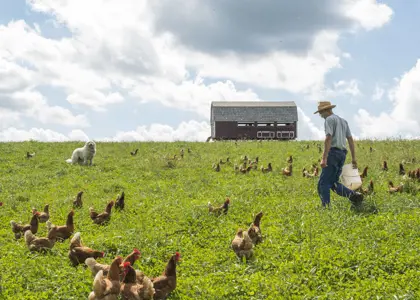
(365, 208)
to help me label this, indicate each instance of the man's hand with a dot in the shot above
(354, 163)
(323, 162)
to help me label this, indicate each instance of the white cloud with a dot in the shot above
(186, 131)
(378, 93)
(368, 13)
(191, 95)
(307, 130)
(402, 120)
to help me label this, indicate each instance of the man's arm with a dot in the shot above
(352, 151)
(327, 146)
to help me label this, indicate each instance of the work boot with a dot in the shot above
(356, 198)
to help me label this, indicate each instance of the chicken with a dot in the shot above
(219, 209)
(45, 215)
(364, 173)
(107, 288)
(242, 244)
(216, 167)
(18, 229)
(119, 203)
(189, 150)
(287, 171)
(166, 283)
(79, 253)
(254, 231)
(290, 159)
(268, 169)
(182, 153)
(30, 155)
(245, 170)
(369, 189)
(101, 218)
(78, 201)
(395, 189)
(134, 153)
(40, 244)
(95, 267)
(65, 231)
(370, 149)
(384, 166)
(402, 170)
(135, 285)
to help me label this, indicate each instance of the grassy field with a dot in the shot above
(306, 253)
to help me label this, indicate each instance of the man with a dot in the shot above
(337, 131)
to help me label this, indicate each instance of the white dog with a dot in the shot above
(83, 155)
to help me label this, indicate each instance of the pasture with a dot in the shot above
(371, 252)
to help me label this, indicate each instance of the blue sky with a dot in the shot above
(127, 71)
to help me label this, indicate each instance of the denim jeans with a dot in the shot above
(330, 176)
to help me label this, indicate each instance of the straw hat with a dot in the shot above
(323, 105)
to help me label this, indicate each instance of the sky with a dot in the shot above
(138, 70)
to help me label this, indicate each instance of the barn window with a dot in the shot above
(245, 124)
(265, 124)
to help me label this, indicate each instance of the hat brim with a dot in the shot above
(324, 108)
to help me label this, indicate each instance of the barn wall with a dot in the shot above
(230, 130)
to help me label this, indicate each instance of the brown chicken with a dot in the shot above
(254, 231)
(18, 229)
(395, 189)
(107, 287)
(40, 244)
(287, 171)
(268, 169)
(43, 216)
(290, 159)
(95, 267)
(135, 285)
(65, 231)
(219, 209)
(242, 244)
(364, 173)
(245, 169)
(77, 203)
(216, 167)
(101, 218)
(166, 283)
(120, 202)
(384, 166)
(369, 189)
(79, 253)
(402, 170)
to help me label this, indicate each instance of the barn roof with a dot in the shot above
(253, 103)
(251, 111)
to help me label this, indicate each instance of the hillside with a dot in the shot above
(306, 252)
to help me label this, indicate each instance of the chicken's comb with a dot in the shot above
(177, 255)
(137, 251)
(127, 264)
(103, 254)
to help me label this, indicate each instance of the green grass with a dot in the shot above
(306, 253)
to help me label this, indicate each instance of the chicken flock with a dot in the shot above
(120, 278)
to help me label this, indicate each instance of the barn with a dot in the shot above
(253, 120)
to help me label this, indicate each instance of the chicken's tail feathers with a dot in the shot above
(98, 287)
(69, 161)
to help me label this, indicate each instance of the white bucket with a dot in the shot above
(350, 177)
